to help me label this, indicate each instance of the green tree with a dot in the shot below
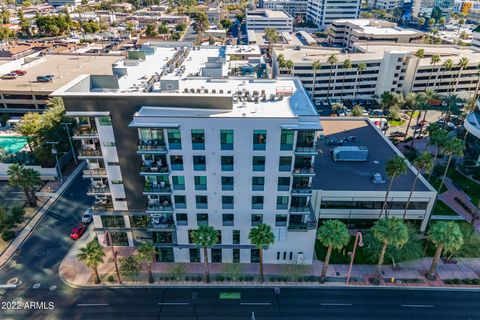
(438, 138)
(271, 35)
(389, 232)
(261, 236)
(290, 65)
(333, 234)
(423, 162)
(421, 21)
(362, 66)
(315, 66)
(5, 15)
(92, 255)
(332, 60)
(395, 166)
(226, 24)
(347, 64)
(357, 111)
(453, 148)
(146, 253)
(151, 30)
(434, 60)
(281, 61)
(163, 28)
(447, 66)
(129, 266)
(23, 22)
(446, 236)
(25, 178)
(29, 126)
(206, 237)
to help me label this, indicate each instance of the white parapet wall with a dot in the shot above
(45, 173)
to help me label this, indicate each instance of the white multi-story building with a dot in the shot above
(260, 19)
(324, 12)
(385, 4)
(389, 67)
(472, 140)
(346, 32)
(476, 41)
(58, 3)
(293, 7)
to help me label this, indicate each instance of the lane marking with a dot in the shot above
(92, 304)
(417, 305)
(174, 303)
(335, 304)
(255, 303)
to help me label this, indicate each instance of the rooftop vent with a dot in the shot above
(377, 178)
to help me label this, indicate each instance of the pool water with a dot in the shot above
(12, 144)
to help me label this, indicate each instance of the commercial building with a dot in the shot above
(385, 4)
(345, 33)
(25, 93)
(294, 7)
(58, 3)
(324, 12)
(472, 141)
(476, 41)
(261, 19)
(389, 67)
(215, 15)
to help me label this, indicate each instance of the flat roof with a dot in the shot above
(65, 68)
(356, 176)
(267, 13)
(378, 27)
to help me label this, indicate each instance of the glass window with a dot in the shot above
(199, 163)
(200, 183)
(162, 237)
(236, 255)
(182, 219)
(254, 255)
(202, 202)
(105, 121)
(165, 254)
(178, 182)
(202, 219)
(227, 202)
(236, 236)
(180, 202)
(258, 183)
(282, 202)
(109, 144)
(285, 164)
(257, 202)
(286, 139)
(227, 183)
(198, 139)
(258, 163)
(227, 163)
(259, 139)
(216, 255)
(227, 219)
(176, 163)
(226, 139)
(257, 219)
(281, 220)
(283, 183)
(194, 254)
(174, 138)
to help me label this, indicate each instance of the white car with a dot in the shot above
(87, 216)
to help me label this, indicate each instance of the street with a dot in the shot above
(36, 266)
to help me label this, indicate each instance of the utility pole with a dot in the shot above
(67, 125)
(55, 153)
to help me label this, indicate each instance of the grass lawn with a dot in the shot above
(469, 187)
(341, 257)
(435, 182)
(441, 209)
(396, 123)
(415, 114)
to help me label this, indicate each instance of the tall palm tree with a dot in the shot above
(92, 255)
(261, 236)
(206, 237)
(333, 234)
(453, 148)
(315, 66)
(420, 104)
(437, 137)
(433, 61)
(389, 232)
(146, 253)
(462, 64)
(446, 236)
(388, 100)
(347, 64)
(362, 66)
(394, 167)
(423, 162)
(271, 34)
(420, 54)
(409, 103)
(447, 66)
(332, 60)
(290, 65)
(25, 178)
(429, 96)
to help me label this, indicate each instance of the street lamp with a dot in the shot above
(67, 124)
(352, 254)
(55, 153)
(114, 253)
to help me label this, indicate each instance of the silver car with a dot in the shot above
(87, 216)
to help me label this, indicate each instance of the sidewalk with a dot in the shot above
(30, 226)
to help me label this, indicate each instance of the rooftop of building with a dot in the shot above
(356, 176)
(378, 27)
(64, 68)
(267, 13)
(243, 49)
(284, 38)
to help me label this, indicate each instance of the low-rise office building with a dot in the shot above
(261, 19)
(385, 4)
(324, 12)
(294, 7)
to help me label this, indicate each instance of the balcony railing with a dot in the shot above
(304, 171)
(301, 191)
(162, 224)
(95, 172)
(306, 150)
(99, 190)
(301, 226)
(89, 153)
(151, 146)
(85, 131)
(157, 189)
(301, 209)
(97, 207)
(154, 170)
(157, 207)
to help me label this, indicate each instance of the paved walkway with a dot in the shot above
(27, 230)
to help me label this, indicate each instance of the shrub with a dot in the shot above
(232, 270)
(177, 272)
(8, 235)
(457, 281)
(187, 278)
(438, 170)
(199, 278)
(17, 213)
(220, 278)
(110, 278)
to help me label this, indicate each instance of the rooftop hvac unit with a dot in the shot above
(377, 178)
(350, 153)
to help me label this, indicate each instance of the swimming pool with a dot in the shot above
(12, 144)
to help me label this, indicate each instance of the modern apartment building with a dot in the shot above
(472, 142)
(385, 4)
(294, 7)
(324, 12)
(168, 151)
(260, 19)
(345, 33)
(389, 67)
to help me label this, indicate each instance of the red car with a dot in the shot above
(19, 72)
(78, 231)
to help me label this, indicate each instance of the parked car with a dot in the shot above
(47, 78)
(341, 113)
(78, 231)
(9, 76)
(397, 134)
(87, 216)
(19, 72)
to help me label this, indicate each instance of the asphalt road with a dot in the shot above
(42, 295)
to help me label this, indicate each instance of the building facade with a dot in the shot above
(261, 19)
(472, 141)
(294, 8)
(324, 12)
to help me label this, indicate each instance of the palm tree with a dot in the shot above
(453, 147)
(261, 236)
(390, 232)
(463, 63)
(433, 61)
(446, 236)
(447, 66)
(437, 137)
(394, 167)
(315, 66)
(333, 234)
(360, 68)
(92, 255)
(146, 253)
(429, 96)
(420, 104)
(423, 162)
(206, 237)
(25, 178)
(388, 100)
(332, 60)
(410, 104)
(347, 64)
(271, 35)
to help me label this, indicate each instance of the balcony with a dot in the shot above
(89, 154)
(98, 190)
(85, 132)
(300, 209)
(161, 223)
(95, 173)
(302, 226)
(302, 191)
(154, 170)
(151, 147)
(156, 207)
(102, 206)
(304, 172)
(306, 151)
(158, 189)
